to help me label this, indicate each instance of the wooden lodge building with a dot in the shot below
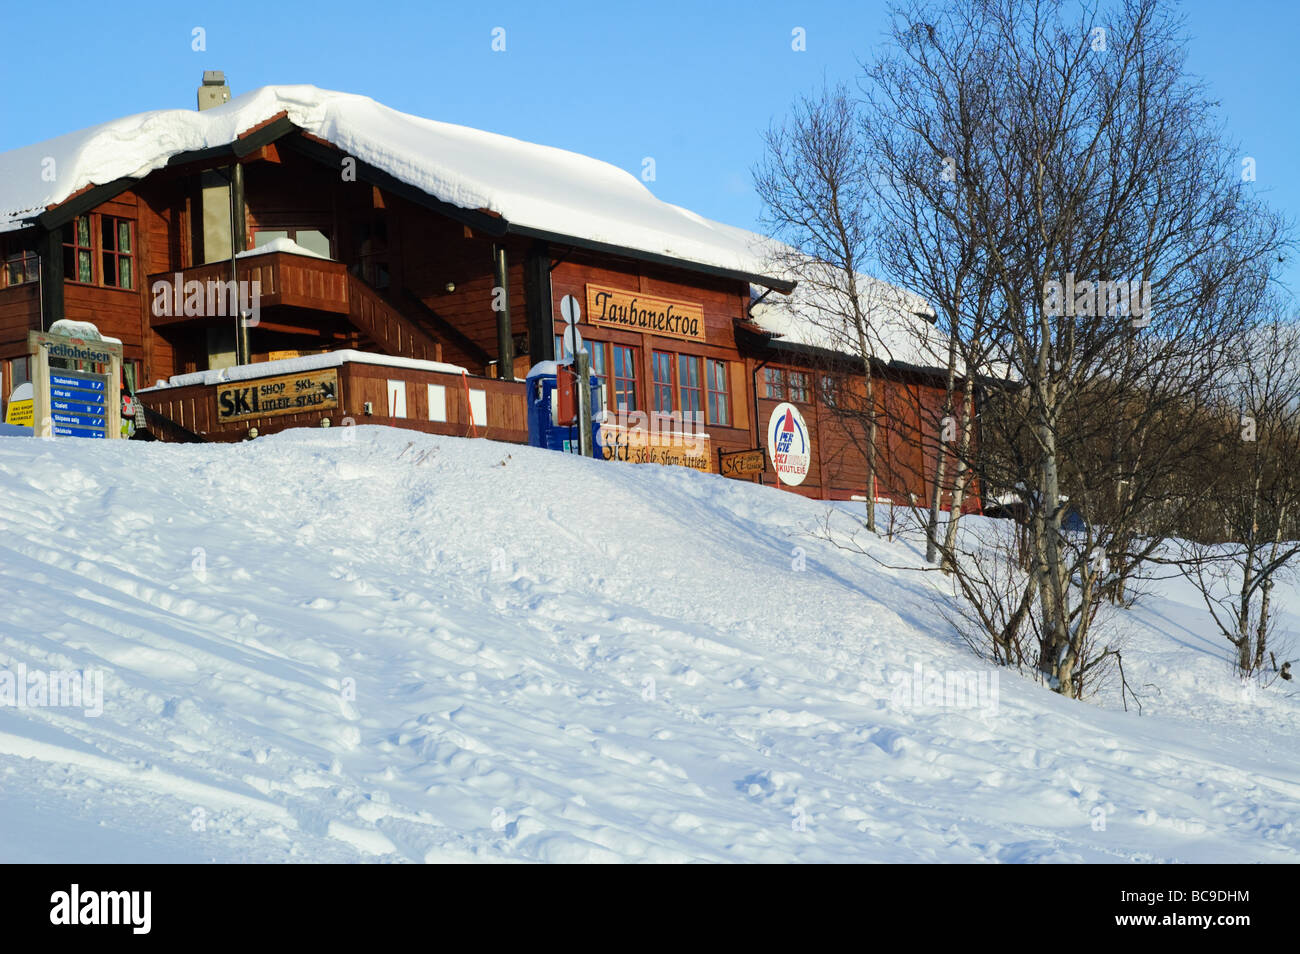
(422, 267)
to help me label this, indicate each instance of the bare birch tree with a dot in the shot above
(1054, 184)
(1256, 503)
(1126, 261)
(815, 188)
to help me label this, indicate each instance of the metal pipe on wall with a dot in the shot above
(501, 303)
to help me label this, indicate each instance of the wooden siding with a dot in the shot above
(321, 304)
(20, 312)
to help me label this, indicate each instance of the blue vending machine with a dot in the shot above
(544, 426)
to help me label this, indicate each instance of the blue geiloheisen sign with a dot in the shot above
(78, 403)
(75, 385)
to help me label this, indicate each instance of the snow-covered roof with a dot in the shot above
(532, 187)
(84, 330)
(309, 362)
(899, 329)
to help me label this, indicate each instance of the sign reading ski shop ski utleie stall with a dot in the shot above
(285, 394)
(78, 401)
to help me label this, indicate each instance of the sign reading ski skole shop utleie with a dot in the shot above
(285, 394)
(741, 464)
(71, 402)
(788, 444)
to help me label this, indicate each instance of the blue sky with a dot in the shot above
(691, 84)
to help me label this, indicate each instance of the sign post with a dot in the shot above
(73, 402)
(582, 364)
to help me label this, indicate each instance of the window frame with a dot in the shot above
(633, 356)
(97, 251)
(77, 248)
(720, 396)
(291, 233)
(116, 254)
(29, 261)
(8, 366)
(695, 403)
(600, 367)
(828, 390)
(774, 383)
(662, 387)
(801, 389)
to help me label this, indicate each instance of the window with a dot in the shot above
(478, 407)
(663, 382)
(438, 402)
(370, 242)
(313, 240)
(78, 253)
(108, 239)
(719, 412)
(116, 252)
(784, 385)
(624, 378)
(20, 372)
(598, 352)
(688, 377)
(396, 398)
(20, 266)
(797, 386)
(130, 375)
(774, 381)
(599, 363)
(829, 391)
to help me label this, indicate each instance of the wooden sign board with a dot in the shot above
(284, 394)
(742, 464)
(82, 401)
(633, 311)
(641, 447)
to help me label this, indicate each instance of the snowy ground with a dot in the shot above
(377, 645)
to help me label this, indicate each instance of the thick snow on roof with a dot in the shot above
(80, 329)
(310, 362)
(817, 314)
(531, 186)
(280, 245)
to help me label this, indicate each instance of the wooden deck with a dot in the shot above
(197, 408)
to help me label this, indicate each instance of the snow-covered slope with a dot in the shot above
(375, 645)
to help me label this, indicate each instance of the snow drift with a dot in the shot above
(370, 644)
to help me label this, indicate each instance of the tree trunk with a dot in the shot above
(963, 471)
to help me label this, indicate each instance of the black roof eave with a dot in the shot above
(764, 281)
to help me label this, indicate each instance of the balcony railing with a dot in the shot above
(286, 280)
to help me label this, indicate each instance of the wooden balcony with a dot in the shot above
(434, 401)
(304, 284)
